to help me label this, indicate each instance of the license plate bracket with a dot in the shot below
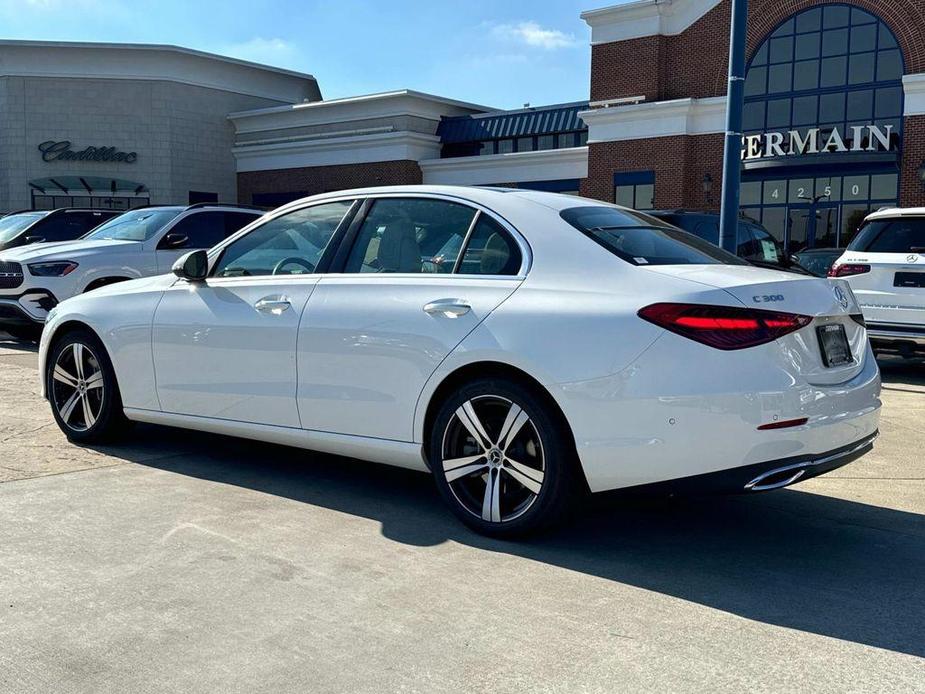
(833, 342)
(909, 279)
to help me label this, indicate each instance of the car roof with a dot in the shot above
(897, 212)
(490, 196)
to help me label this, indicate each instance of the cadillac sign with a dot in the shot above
(864, 138)
(61, 151)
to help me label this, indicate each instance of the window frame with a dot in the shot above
(349, 239)
(327, 256)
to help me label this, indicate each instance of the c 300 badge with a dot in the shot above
(841, 297)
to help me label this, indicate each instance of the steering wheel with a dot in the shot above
(293, 261)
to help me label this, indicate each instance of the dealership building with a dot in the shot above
(834, 121)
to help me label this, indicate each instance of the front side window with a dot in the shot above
(291, 244)
(891, 236)
(67, 226)
(138, 225)
(205, 229)
(410, 236)
(641, 239)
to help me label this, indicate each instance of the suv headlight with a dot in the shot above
(58, 269)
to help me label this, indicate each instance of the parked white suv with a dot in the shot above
(142, 242)
(885, 266)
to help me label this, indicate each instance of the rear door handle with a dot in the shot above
(275, 305)
(450, 308)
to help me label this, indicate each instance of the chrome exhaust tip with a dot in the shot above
(780, 477)
(788, 474)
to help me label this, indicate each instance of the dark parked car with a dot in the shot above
(818, 260)
(754, 243)
(40, 226)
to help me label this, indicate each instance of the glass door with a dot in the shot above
(799, 228)
(812, 226)
(825, 233)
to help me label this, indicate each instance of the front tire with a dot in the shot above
(502, 460)
(82, 388)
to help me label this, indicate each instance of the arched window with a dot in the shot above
(830, 67)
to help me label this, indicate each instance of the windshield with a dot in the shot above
(900, 235)
(137, 225)
(641, 239)
(13, 224)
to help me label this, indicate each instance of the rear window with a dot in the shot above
(890, 236)
(642, 239)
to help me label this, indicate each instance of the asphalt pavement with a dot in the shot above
(185, 562)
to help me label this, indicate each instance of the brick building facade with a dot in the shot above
(658, 84)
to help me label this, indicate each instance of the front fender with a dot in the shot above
(121, 316)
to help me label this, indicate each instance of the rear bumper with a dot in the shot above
(662, 420)
(896, 332)
(762, 477)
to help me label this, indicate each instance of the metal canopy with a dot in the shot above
(87, 185)
(521, 123)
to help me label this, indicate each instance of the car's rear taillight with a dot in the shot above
(724, 327)
(848, 269)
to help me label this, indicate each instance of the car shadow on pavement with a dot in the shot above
(804, 561)
(17, 345)
(899, 373)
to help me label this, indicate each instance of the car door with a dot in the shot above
(415, 276)
(226, 348)
(198, 229)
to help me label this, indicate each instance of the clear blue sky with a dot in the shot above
(501, 53)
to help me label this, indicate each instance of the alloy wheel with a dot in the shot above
(493, 458)
(77, 387)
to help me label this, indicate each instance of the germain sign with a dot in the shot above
(795, 143)
(61, 151)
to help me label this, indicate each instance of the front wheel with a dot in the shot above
(82, 389)
(502, 460)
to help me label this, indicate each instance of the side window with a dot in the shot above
(236, 220)
(490, 251)
(61, 227)
(200, 230)
(410, 235)
(766, 246)
(708, 231)
(287, 245)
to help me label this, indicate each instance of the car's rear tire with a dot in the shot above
(502, 460)
(82, 388)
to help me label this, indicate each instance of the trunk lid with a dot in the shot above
(828, 302)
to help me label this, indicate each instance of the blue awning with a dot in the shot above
(545, 120)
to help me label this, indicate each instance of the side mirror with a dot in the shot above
(35, 239)
(193, 267)
(174, 241)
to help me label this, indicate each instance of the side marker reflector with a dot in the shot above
(786, 424)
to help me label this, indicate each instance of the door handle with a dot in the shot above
(449, 308)
(274, 305)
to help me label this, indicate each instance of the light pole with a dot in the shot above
(735, 99)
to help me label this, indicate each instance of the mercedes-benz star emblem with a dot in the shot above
(912, 259)
(841, 297)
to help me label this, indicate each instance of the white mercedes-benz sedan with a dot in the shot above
(523, 347)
